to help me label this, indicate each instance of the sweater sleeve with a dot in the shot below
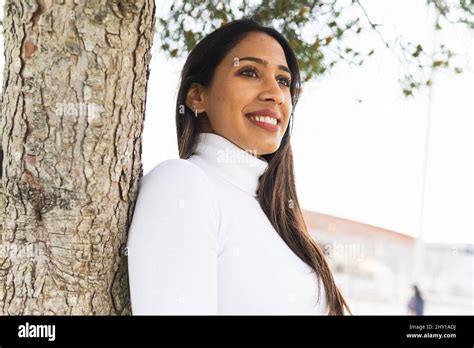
(173, 242)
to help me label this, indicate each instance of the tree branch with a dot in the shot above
(374, 26)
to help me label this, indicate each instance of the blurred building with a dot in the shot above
(374, 267)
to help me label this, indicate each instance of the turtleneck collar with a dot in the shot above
(231, 162)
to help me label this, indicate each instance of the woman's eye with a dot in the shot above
(286, 81)
(248, 71)
(251, 72)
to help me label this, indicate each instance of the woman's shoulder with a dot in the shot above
(177, 176)
(176, 169)
(177, 183)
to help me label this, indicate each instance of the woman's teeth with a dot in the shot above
(265, 119)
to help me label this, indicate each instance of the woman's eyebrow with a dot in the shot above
(261, 61)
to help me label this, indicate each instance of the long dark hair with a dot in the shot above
(276, 192)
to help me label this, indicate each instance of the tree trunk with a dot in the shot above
(74, 93)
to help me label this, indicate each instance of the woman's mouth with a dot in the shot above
(268, 123)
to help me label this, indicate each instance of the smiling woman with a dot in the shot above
(220, 230)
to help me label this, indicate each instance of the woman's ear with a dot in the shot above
(195, 97)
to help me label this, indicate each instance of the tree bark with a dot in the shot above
(74, 95)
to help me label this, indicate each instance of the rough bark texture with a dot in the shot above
(74, 95)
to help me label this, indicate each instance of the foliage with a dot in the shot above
(188, 21)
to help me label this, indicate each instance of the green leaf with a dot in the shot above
(419, 49)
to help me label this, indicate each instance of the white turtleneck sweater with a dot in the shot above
(200, 243)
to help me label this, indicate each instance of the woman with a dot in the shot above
(220, 230)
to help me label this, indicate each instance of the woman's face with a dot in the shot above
(241, 86)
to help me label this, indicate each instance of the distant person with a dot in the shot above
(416, 303)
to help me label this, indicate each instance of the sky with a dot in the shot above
(364, 160)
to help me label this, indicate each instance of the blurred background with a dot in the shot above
(383, 148)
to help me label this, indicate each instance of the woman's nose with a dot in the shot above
(272, 90)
